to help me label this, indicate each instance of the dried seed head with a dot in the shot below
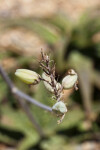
(59, 107)
(28, 76)
(69, 80)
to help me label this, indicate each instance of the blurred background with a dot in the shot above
(69, 31)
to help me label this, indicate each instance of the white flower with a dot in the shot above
(70, 80)
(28, 76)
(59, 107)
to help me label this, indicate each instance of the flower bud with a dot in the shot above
(69, 80)
(28, 76)
(47, 85)
(58, 86)
(59, 107)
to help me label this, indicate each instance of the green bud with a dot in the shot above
(70, 80)
(47, 85)
(59, 107)
(28, 76)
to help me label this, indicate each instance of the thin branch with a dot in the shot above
(20, 94)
